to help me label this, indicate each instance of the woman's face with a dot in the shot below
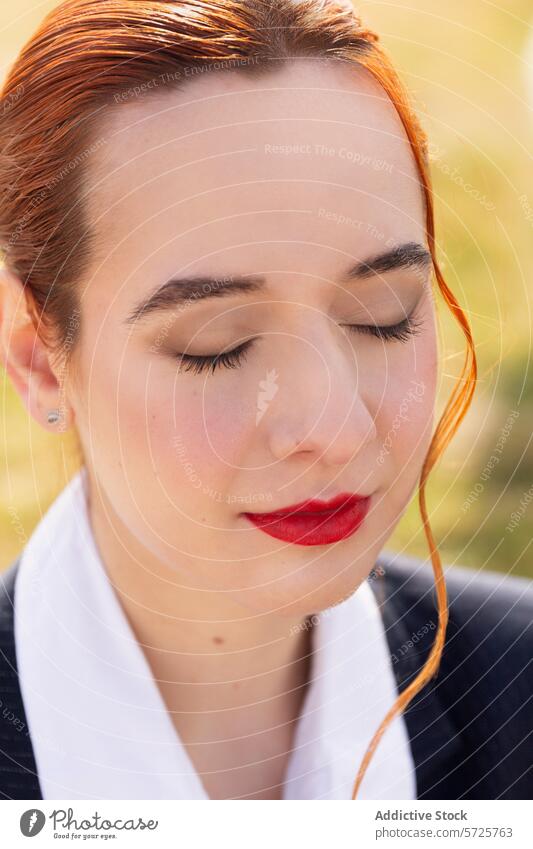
(302, 178)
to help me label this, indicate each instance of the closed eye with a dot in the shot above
(227, 359)
(401, 332)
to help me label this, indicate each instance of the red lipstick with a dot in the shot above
(314, 522)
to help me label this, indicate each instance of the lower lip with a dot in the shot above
(313, 528)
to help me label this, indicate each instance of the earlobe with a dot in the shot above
(26, 357)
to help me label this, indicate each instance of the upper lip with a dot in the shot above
(317, 505)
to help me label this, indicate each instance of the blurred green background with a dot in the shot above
(469, 66)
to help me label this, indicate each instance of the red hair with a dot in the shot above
(77, 65)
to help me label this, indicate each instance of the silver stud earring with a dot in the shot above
(53, 416)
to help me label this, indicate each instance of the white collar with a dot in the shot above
(99, 726)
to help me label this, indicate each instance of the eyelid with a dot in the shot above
(228, 359)
(402, 331)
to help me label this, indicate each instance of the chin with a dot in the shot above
(309, 588)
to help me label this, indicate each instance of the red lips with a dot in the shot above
(314, 522)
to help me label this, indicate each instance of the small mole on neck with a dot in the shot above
(218, 640)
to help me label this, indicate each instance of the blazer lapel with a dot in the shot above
(18, 771)
(435, 742)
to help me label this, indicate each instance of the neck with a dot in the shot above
(223, 671)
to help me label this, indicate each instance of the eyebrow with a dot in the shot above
(180, 293)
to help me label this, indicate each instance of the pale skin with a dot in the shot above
(185, 184)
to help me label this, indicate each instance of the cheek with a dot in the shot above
(198, 432)
(406, 416)
(119, 415)
(183, 434)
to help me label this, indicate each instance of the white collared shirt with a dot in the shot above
(98, 723)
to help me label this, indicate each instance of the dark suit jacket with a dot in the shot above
(470, 727)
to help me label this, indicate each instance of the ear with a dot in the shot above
(28, 361)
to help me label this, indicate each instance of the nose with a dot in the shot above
(320, 409)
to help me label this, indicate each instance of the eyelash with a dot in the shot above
(400, 332)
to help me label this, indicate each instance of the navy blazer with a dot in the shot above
(470, 727)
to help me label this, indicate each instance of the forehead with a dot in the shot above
(312, 155)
